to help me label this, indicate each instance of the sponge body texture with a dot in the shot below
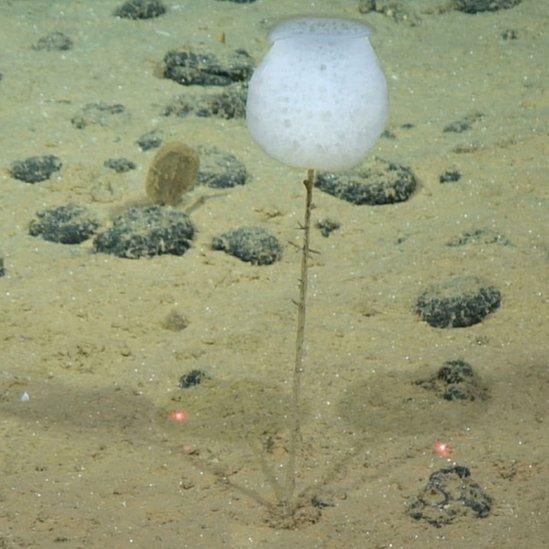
(319, 97)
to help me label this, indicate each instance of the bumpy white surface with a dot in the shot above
(319, 26)
(319, 98)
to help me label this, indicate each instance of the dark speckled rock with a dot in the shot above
(120, 165)
(67, 224)
(140, 9)
(478, 6)
(220, 169)
(35, 168)
(455, 381)
(376, 183)
(147, 231)
(458, 302)
(448, 495)
(55, 41)
(252, 244)
(189, 67)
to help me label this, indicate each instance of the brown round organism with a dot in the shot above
(172, 173)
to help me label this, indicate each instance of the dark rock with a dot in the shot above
(192, 378)
(398, 10)
(458, 302)
(467, 147)
(380, 183)
(450, 176)
(175, 322)
(2, 268)
(149, 140)
(35, 168)
(366, 6)
(101, 114)
(450, 493)
(238, 1)
(204, 69)
(69, 224)
(147, 231)
(55, 41)
(388, 134)
(327, 226)
(479, 236)
(219, 169)
(228, 104)
(455, 371)
(455, 380)
(320, 504)
(477, 6)
(252, 244)
(120, 165)
(456, 393)
(140, 9)
(407, 126)
(464, 124)
(509, 34)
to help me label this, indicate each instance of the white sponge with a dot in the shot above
(319, 98)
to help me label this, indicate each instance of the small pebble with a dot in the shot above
(467, 148)
(69, 224)
(509, 34)
(149, 140)
(399, 11)
(2, 268)
(25, 397)
(463, 124)
(458, 302)
(478, 6)
(252, 244)
(120, 165)
(192, 378)
(55, 41)
(479, 236)
(35, 168)
(147, 231)
(450, 176)
(106, 188)
(379, 183)
(455, 381)
(99, 114)
(220, 169)
(140, 9)
(175, 322)
(327, 226)
(172, 173)
(448, 495)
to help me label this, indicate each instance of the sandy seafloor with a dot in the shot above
(92, 459)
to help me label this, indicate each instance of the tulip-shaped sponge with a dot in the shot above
(319, 97)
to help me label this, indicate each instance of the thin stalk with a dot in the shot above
(295, 431)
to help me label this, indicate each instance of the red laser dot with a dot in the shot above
(442, 448)
(179, 415)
